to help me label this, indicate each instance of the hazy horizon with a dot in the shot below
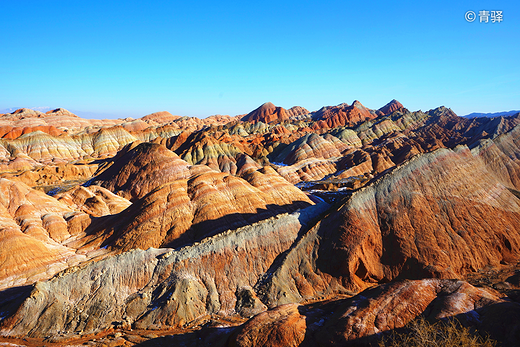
(203, 58)
(96, 115)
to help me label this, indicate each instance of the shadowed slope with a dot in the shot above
(32, 229)
(138, 170)
(183, 211)
(440, 215)
(156, 289)
(266, 113)
(360, 320)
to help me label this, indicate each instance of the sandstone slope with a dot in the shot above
(441, 215)
(362, 319)
(159, 288)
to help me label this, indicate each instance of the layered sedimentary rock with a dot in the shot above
(47, 149)
(307, 170)
(59, 118)
(268, 113)
(194, 123)
(208, 202)
(94, 200)
(162, 288)
(391, 107)
(8, 132)
(296, 112)
(32, 228)
(342, 115)
(501, 156)
(356, 321)
(53, 175)
(441, 215)
(218, 141)
(171, 197)
(416, 195)
(138, 169)
(218, 155)
(311, 146)
(160, 117)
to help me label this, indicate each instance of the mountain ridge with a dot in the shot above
(167, 228)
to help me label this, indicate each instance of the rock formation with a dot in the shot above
(356, 321)
(33, 227)
(426, 219)
(342, 115)
(177, 230)
(138, 170)
(268, 113)
(391, 107)
(163, 287)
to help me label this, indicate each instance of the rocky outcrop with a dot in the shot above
(310, 146)
(267, 113)
(501, 156)
(53, 175)
(342, 115)
(187, 210)
(440, 215)
(154, 289)
(391, 107)
(48, 149)
(160, 118)
(140, 168)
(59, 118)
(94, 200)
(296, 112)
(8, 132)
(307, 170)
(218, 155)
(33, 227)
(362, 319)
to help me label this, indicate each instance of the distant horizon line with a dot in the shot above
(95, 115)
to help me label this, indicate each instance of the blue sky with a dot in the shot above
(199, 58)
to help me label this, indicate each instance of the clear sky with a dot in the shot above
(198, 58)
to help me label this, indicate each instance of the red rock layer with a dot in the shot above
(440, 215)
(32, 227)
(60, 118)
(356, 321)
(158, 289)
(342, 115)
(93, 200)
(501, 156)
(8, 132)
(266, 113)
(53, 175)
(311, 146)
(138, 170)
(160, 117)
(307, 170)
(296, 111)
(391, 107)
(187, 210)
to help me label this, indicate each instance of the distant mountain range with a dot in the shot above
(490, 115)
(82, 114)
(39, 108)
(96, 115)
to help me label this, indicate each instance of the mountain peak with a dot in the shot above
(357, 104)
(267, 106)
(391, 107)
(60, 112)
(266, 113)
